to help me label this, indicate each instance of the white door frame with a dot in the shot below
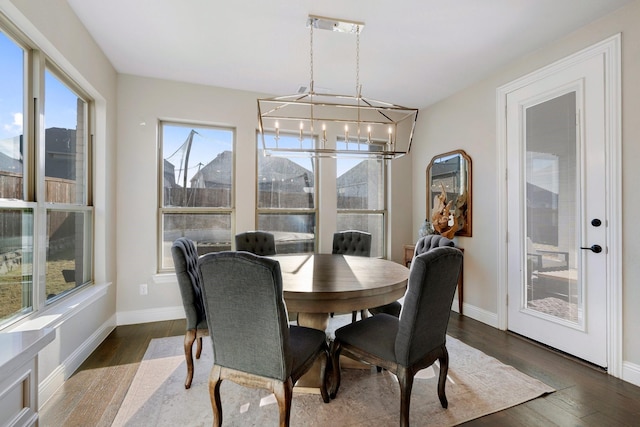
(610, 49)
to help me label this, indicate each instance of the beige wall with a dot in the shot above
(467, 121)
(144, 100)
(142, 103)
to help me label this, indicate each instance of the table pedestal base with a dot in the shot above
(310, 382)
(314, 320)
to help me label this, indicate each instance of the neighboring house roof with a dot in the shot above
(273, 169)
(355, 181)
(61, 153)
(60, 147)
(446, 168)
(169, 174)
(284, 170)
(9, 164)
(216, 173)
(538, 197)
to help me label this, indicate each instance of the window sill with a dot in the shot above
(52, 317)
(164, 278)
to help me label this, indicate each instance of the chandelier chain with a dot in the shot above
(358, 61)
(311, 57)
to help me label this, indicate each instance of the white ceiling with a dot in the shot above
(412, 52)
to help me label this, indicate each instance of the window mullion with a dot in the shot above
(36, 178)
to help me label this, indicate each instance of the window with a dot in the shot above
(360, 186)
(286, 197)
(69, 217)
(196, 181)
(46, 216)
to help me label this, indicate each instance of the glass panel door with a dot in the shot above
(552, 209)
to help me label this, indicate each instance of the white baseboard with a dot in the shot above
(150, 315)
(49, 385)
(478, 314)
(177, 312)
(631, 373)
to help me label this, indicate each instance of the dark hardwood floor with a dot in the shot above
(585, 395)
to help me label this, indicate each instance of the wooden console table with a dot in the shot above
(408, 256)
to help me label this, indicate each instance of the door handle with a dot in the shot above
(594, 248)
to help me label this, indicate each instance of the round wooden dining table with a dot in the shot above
(318, 284)
(315, 285)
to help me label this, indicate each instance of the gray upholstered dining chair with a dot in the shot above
(414, 341)
(432, 241)
(185, 260)
(257, 242)
(352, 242)
(423, 245)
(253, 343)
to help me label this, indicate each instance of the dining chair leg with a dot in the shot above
(189, 338)
(325, 371)
(405, 380)
(283, 391)
(442, 380)
(336, 348)
(198, 347)
(214, 395)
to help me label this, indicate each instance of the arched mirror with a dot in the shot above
(449, 194)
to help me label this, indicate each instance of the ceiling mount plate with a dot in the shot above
(332, 24)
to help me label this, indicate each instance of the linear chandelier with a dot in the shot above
(311, 124)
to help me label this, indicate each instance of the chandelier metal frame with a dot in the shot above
(321, 122)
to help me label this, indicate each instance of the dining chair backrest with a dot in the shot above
(185, 261)
(431, 241)
(246, 312)
(427, 303)
(257, 242)
(352, 242)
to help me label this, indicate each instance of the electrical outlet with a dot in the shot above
(143, 289)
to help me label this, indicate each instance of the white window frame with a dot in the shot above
(33, 175)
(383, 211)
(315, 211)
(163, 250)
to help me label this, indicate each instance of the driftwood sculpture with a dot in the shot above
(443, 221)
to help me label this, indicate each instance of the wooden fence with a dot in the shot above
(57, 190)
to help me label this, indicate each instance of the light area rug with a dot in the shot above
(477, 385)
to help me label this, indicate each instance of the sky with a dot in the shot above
(60, 101)
(11, 89)
(207, 143)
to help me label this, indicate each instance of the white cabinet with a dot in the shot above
(19, 375)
